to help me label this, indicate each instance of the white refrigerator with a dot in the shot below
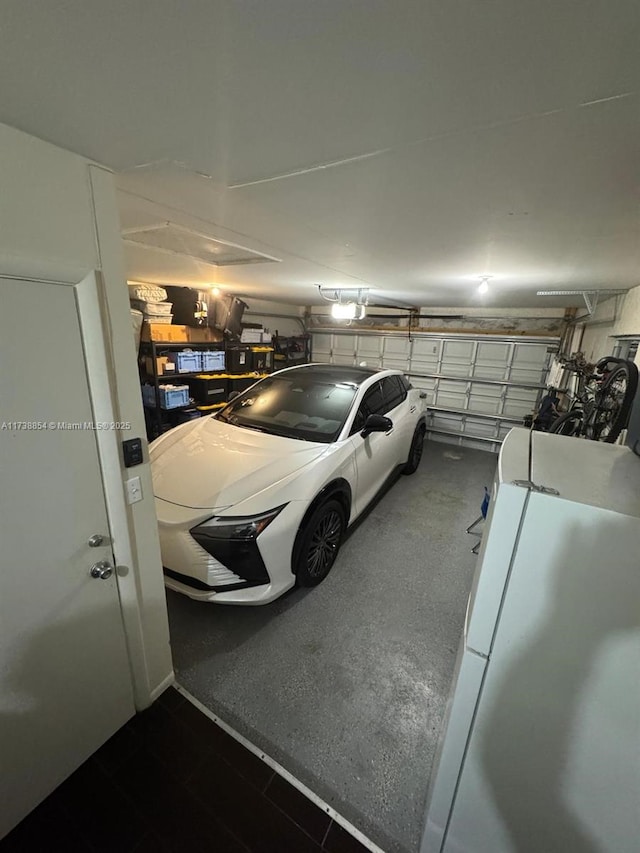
(540, 751)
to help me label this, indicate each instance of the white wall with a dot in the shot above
(58, 220)
(284, 321)
(619, 315)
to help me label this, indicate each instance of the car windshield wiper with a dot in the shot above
(237, 423)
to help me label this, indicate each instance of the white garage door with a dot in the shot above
(477, 388)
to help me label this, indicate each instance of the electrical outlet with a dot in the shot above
(134, 490)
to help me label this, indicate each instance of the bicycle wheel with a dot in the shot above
(613, 403)
(568, 424)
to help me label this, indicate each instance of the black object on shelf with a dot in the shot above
(228, 311)
(249, 358)
(238, 384)
(292, 350)
(190, 306)
(208, 390)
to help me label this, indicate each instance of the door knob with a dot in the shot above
(101, 570)
(95, 541)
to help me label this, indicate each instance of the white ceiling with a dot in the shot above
(408, 146)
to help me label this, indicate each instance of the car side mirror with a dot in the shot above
(376, 423)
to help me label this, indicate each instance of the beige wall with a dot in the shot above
(619, 315)
(58, 221)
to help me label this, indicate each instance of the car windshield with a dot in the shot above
(294, 405)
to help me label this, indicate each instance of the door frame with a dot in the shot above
(93, 317)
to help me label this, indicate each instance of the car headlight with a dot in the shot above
(243, 528)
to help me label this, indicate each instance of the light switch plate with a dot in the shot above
(134, 490)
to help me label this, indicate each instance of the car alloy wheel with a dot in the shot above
(319, 543)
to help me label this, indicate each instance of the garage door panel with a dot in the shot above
(425, 355)
(396, 353)
(457, 357)
(451, 399)
(369, 349)
(322, 348)
(492, 360)
(530, 363)
(423, 384)
(519, 402)
(489, 403)
(484, 371)
(451, 423)
(344, 349)
(468, 361)
(483, 428)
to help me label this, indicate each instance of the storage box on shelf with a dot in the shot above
(247, 358)
(175, 333)
(186, 361)
(209, 389)
(213, 361)
(168, 397)
(240, 383)
(289, 351)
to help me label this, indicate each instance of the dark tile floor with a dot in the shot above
(172, 780)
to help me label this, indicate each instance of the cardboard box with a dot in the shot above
(203, 335)
(163, 365)
(165, 332)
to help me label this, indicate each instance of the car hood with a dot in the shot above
(210, 464)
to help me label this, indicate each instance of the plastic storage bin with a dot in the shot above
(186, 362)
(207, 390)
(213, 361)
(171, 396)
(174, 396)
(238, 384)
(239, 359)
(262, 359)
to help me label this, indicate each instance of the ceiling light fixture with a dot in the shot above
(215, 291)
(347, 303)
(347, 311)
(484, 284)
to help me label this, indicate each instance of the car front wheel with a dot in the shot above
(415, 452)
(318, 544)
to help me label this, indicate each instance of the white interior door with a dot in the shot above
(65, 684)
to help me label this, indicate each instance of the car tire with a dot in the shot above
(415, 451)
(318, 543)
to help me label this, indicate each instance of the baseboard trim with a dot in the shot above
(167, 682)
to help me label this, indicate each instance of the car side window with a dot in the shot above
(393, 393)
(372, 404)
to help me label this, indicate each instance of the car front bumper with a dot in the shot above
(252, 573)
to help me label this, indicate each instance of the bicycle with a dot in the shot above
(601, 407)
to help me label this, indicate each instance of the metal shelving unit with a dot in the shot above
(157, 417)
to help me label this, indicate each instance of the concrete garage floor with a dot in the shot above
(346, 684)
